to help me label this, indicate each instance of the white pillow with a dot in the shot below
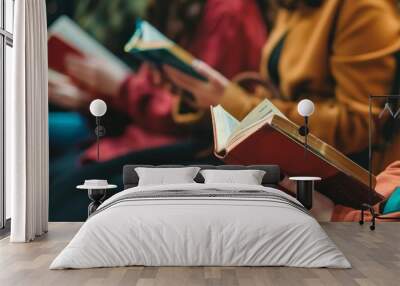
(163, 176)
(248, 177)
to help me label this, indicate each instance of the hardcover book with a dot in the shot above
(67, 38)
(150, 45)
(266, 136)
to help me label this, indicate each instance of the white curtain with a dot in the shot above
(26, 124)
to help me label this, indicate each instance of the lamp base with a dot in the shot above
(100, 131)
(303, 130)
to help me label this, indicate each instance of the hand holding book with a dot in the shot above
(95, 75)
(206, 93)
(79, 66)
(182, 68)
(64, 93)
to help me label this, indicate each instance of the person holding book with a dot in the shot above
(335, 53)
(68, 124)
(204, 28)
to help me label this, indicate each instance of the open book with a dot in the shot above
(148, 44)
(228, 130)
(266, 136)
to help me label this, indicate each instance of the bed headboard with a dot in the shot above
(272, 176)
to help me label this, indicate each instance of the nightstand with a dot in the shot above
(305, 189)
(97, 191)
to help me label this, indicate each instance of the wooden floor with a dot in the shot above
(375, 257)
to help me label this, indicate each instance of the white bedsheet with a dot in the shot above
(200, 231)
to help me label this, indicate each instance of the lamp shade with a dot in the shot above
(305, 108)
(98, 107)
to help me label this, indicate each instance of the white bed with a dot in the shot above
(224, 225)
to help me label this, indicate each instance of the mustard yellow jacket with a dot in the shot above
(336, 55)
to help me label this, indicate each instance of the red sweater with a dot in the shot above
(229, 38)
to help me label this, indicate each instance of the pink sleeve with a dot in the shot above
(148, 104)
(229, 39)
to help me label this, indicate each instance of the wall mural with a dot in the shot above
(159, 115)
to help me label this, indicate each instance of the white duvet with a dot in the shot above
(190, 231)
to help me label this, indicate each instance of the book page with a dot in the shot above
(147, 37)
(149, 44)
(151, 34)
(225, 125)
(261, 112)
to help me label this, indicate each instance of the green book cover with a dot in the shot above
(148, 44)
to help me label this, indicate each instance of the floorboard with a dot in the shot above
(375, 257)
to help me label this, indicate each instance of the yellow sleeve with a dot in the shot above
(362, 64)
(238, 102)
(182, 114)
(235, 100)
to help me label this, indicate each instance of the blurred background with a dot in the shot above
(139, 130)
(87, 61)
